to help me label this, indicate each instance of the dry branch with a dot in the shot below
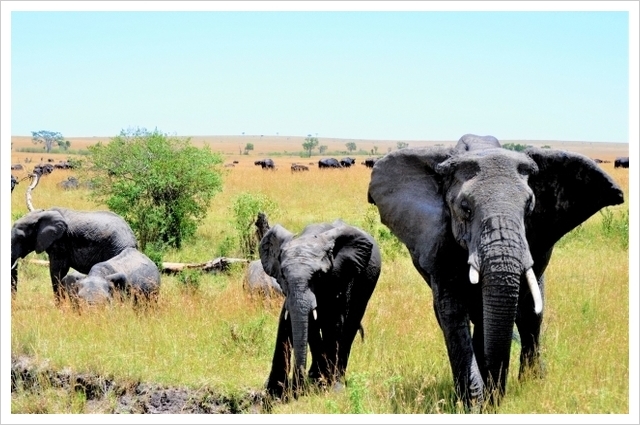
(34, 183)
(219, 264)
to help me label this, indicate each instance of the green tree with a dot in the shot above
(47, 138)
(322, 149)
(351, 146)
(402, 145)
(162, 186)
(310, 143)
(247, 148)
(515, 147)
(64, 145)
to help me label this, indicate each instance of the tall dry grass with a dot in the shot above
(219, 336)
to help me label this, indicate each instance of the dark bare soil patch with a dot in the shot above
(106, 395)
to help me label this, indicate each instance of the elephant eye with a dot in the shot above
(466, 208)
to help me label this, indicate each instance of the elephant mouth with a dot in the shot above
(532, 282)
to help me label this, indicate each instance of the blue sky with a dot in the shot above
(406, 75)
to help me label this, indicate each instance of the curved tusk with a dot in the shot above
(13, 266)
(535, 290)
(474, 276)
(286, 314)
(315, 314)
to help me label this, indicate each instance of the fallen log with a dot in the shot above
(219, 264)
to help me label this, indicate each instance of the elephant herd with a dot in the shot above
(479, 221)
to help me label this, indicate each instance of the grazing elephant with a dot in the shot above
(327, 274)
(266, 164)
(131, 274)
(329, 163)
(77, 239)
(480, 223)
(621, 162)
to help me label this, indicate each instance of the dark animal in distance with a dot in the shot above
(329, 163)
(70, 183)
(621, 162)
(17, 167)
(43, 169)
(14, 182)
(299, 167)
(266, 163)
(369, 162)
(347, 162)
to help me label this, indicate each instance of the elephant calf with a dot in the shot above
(130, 274)
(327, 274)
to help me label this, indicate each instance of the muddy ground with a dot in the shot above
(105, 395)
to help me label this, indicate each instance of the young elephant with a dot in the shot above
(130, 274)
(327, 274)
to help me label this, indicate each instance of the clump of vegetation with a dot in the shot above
(518, 147)
(162, 186)
(49, 139)
(616, 226)
(189, 279)
(310, 144)
(246, 207)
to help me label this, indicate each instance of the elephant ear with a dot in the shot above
(51, 227)
(409, 195)
(351, 249)
(569, 188)
(118, 280)
(269, 249)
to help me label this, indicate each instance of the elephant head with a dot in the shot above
(480, 223)
(94, 289)
(36, 231)
(323, 259)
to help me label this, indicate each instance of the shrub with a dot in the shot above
(161, 185)
(246, 207)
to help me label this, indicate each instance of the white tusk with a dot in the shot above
(474, 276)
(286, 313)
(14, 264)
(535, 291)
(315, 314)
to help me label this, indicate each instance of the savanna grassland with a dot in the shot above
(216, 335)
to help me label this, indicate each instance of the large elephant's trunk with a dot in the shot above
(504, 258)
(301, 309)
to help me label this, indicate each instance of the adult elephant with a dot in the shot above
(329, 163)
(327, 274)
(266, 163)
(480, 223)
(78, 239)
(621, 162)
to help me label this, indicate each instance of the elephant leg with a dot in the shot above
(14, 280)
(529, 325)
(278, 380)
(454, 321)
(58, 269)
(318, 356)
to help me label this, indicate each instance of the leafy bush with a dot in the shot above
(161, 185)
(616, 226)
(246, 207)
(189, 279)
(515, 147)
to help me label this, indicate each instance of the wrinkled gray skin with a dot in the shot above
(259, 282)
(499, 212)
(329, 268)
(131, 274)
(72, 239)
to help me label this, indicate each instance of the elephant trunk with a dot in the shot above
(504, 258)
(300, 307)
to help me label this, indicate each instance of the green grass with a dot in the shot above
(206, 331)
